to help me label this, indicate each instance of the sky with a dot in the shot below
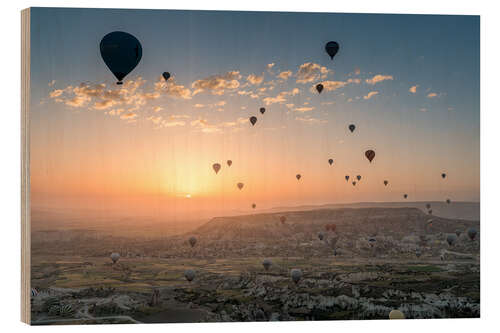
(409, 83)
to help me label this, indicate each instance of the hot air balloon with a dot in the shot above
(386, 182)
(121, 52)
(192, 241)
(448, 201)
(229, 162)
(370, 155)
(396, 314)
(451, 239)
(282, 219)
(189, 274)
(418, 253)
(358, 177)
(166, 75)
(332, 48)
(254, 205)
(346, 178)
(296, 275)
(472, 232)
(352, 127)
(354, 183)
(216, 167)
(319, 88)
(253, 120)
(321, 236)
(330, 161)
(262, 110)
(405, 196)
(115, 256)
(298, 176)
(267, 264)
(443, 175)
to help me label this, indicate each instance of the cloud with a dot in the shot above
(379, 78)
(51, 83)
(160, 122)
(157, 108)
(128, 116)
(370, 94)
(116, 112)
(269, 66)
(285, 75)
(255, 79)
(281, 97)
(309, 72)
(354, 81)
(171, 88)
(311, 120)
(432, 95)
(413, 89)
(55, 93)
(220, 103)
(330, 85)
(423, 109)
(217, 84)
(304, 109)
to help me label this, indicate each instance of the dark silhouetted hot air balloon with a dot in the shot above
(229, 162)
(319, 88)
(448, 201)
(332, 48)
(262, 110)
(354, 183)
(296, 275)
(298, 176)
(386, 182)
(115, 256)
(240, 185)
(253, 120)
(451, 239)
(267, 264)
(216, 167)
(189, 274)
(330, 161)
(192, 241)
(352, 127)
(166, 75)
(346, 178)
(121, 52)
(370, 155)
(321, 235)
(405, 196)
(358, 177)
(472, 232)
(443, 175)
(254, 205)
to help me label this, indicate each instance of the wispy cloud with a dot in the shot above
(310, 120)
(413, 89)
(285, 75)
(309, 72)
(370, 94)
(379, 78)
(281, 97)
(255, 79)
(217, 84)
(432, 95)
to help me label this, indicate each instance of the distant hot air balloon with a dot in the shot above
(370, 155)
(216, 167)
(354, 183)
(240, 185)
(396, 314)
(332, 48)
(189, 274)
(358, 177)
(253, 120)
(451, 239)
(346, 178)
(166, 75)
(386, 182)
(321, 236)
(121, 52)
(296, 275)
(267, 264)
(472, 232)
(352, 127)
(115, 256)
(418, 253)
(192, 241)
(443, 175)
(319, 88)
(262, 110)
(448, 201)
(229, 162)
(254, 205)
(330, 161)
(405, 196)
(282, 219)
(298, 176)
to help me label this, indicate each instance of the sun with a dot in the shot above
(188, 196)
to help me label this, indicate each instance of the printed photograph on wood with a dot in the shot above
(218, 166)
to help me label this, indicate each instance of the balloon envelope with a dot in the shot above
(358, 177)
(298, 176)
(386, 182)
(370, 155)
(254, 205)
(166, 75)
(405, 196)
(229, 162)
(443, 175)
(352, 127)
(296, 275)
(262, 110)
(216, 167)
(346, 178)
(332, 48)
(267, 264)
(253, 120)
(121, 52)
(240, 185)
(330, 161)
(115, 256)
(189, 274)
(451, 239)
(319, 88)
